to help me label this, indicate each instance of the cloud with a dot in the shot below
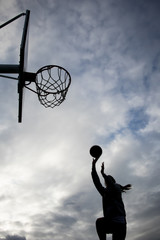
(111, 50)
(14, 237)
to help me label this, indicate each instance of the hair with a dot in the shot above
(112, 179)
(123, 188)
(126, 187)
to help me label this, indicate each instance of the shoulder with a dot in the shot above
(115, 187)
(118, 187)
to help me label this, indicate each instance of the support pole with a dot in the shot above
(11, 20)
(9, 68)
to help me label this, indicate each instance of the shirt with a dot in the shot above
(113, 206)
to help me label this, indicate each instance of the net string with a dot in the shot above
(52, 90)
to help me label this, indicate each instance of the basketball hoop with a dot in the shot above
(52, 83)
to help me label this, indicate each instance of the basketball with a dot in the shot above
(95, 151)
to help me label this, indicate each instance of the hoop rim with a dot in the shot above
(52, 66)
(49, 67)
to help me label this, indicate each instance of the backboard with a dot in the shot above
(23, 63)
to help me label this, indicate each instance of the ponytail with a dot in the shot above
(126, 187)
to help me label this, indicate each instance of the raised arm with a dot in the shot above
(108, 179)
(96, 179)
(102, 170)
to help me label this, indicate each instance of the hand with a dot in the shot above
(102, 168)
(94, 161)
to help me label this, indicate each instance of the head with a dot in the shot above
(111, 179)
(123, 188)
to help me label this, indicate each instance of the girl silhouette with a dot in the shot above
(114, 220)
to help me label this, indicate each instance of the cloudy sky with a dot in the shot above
(112, 50)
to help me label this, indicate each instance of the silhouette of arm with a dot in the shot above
(96, 179)
(107, 179)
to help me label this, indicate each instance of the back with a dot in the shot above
(113, 206)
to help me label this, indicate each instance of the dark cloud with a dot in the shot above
(14, 237)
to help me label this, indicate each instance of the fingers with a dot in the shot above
(94, 160)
